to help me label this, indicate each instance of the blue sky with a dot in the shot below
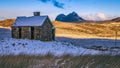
(14, 8)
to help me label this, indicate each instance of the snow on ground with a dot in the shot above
(5, 32)
(59, 47)
(36, 47)
(15, 46)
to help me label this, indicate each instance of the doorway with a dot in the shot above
(53, 34)
(32, 32)
(20, 32)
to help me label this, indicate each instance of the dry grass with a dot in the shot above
(88, 29)
(7, 22)
(66, 61)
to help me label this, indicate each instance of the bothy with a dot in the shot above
(36, 27)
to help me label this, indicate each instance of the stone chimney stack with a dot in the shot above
(36, 13)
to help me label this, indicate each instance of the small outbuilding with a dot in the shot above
(36, 27)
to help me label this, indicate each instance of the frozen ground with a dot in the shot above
(59, 47)
(5, 32)
(88, 42)
(34, 47)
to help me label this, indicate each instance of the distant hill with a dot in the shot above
(87, 30)
(116, 19)
(72, 17)
(7, 22)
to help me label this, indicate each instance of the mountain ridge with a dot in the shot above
(71, 17)
(116, 19)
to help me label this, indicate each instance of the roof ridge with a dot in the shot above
(32, 16)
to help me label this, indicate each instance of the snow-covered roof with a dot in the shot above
(30, 21)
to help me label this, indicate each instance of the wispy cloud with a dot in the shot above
(55, 3)
(98, 16)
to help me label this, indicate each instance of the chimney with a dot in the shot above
(36, 13)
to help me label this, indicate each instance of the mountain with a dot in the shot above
(72, 17)
(60, 17)
(116, 19)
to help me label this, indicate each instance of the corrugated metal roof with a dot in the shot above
(30, 21)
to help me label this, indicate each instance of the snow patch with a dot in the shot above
(35, 47)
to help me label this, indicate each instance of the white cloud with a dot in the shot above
(98, 16)
(6, 17)
(101, 16)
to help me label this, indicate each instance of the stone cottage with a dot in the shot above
(36, 27)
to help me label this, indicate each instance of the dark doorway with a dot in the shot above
(20, 32)
(32, 32)
(53, 33)
(13, 33)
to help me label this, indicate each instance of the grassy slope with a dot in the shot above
(66, 61)
(87, 30)
(7, 22)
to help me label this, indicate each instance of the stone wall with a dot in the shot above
(15, 33)
(37, 34)
(26, 34)
(46, 31)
